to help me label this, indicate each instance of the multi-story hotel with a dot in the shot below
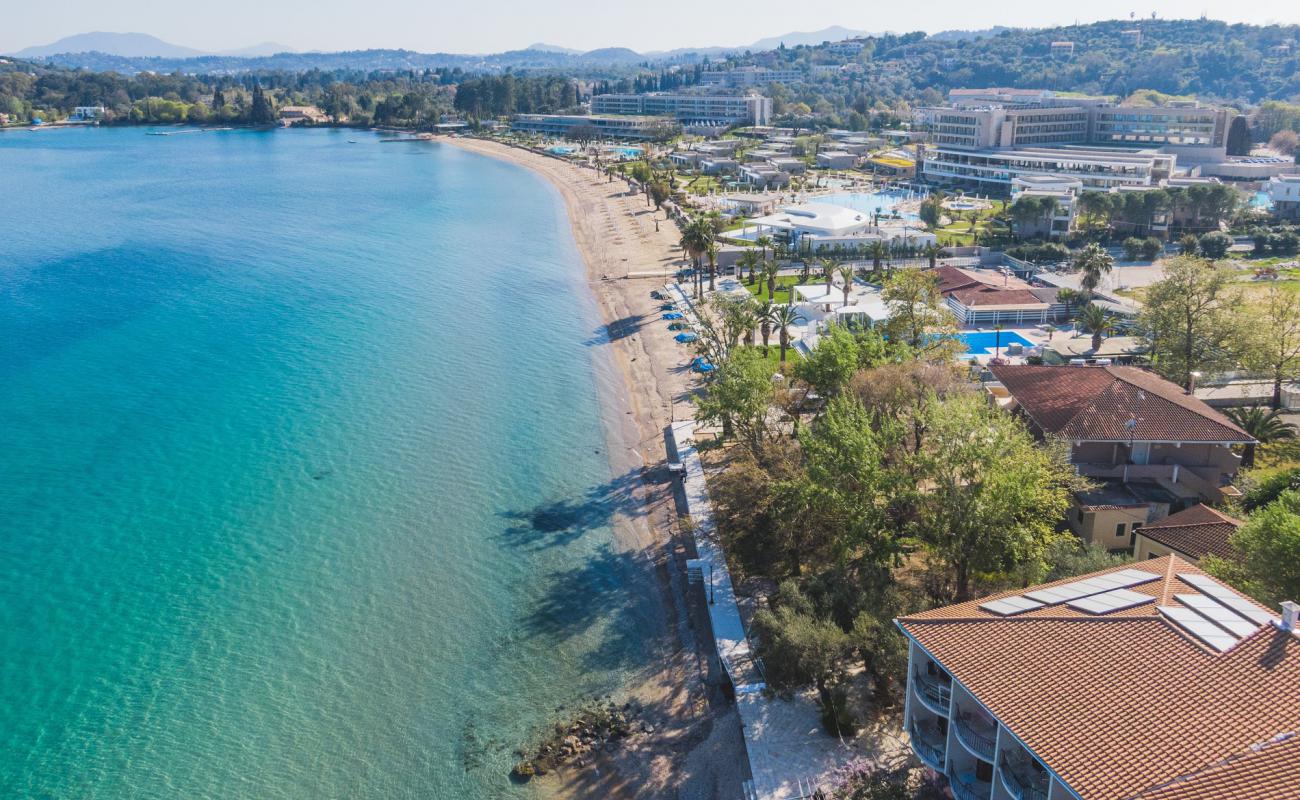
(988, 138)
(689, 109)
(750, 76)
(1151, 681)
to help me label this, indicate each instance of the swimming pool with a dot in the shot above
(1262, 200)
(871, 202)
(562, 150)
(627, 152)
(983, 343)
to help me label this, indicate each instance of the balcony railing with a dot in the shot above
(1022, 780)
(978, 734)
(968, 788)
(934, 693)
(928, 746)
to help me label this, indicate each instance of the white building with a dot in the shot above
(836, 159)
(87, 113)
(819, 226)
(742, 77)
(1284, 191)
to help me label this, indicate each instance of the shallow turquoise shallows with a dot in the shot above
(303, 482)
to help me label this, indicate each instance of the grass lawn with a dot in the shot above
(784, 287)
(774, 353)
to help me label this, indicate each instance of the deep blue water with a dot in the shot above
(303, 485)
(985, 342)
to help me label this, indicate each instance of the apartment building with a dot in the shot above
(605, 127)
(1151, 680)
(689, 109)
(995, 170)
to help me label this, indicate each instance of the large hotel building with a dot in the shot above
(986, 139)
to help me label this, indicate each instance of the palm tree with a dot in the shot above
(932, 251)
(1093, 262)
(847, 275)
(1264, 425)
(1098, 321)
(1068, 297)
(711, 252)
(749, 260)
(696, 239)
(766, 321)
(828, 272)
(770, 273)
(764, 242)
(878, 251)
(784, 318)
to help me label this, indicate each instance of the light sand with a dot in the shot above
(696, 749)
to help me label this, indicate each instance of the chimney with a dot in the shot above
(1290, 611)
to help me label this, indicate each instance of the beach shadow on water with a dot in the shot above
(620, 328)
(609, 588)
(563, 521)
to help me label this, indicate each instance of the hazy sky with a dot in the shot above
(495, 25)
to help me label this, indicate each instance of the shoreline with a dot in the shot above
(696, 747)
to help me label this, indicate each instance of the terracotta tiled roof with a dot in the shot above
(1196, 532)
(1263, 772)
(1124, 704)
(993, 296)
(1095, 403)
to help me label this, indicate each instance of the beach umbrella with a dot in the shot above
(673, 315)
(667, 307)
(686, 337)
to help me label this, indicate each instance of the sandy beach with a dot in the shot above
(695, 748)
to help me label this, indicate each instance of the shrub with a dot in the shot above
(1215, 244)
(1132, 248)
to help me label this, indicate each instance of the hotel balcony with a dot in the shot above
(928, 744)
(966, 786)
(1022, 779)
(934, 692)
(977, 733)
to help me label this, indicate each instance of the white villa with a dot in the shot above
(823, 225)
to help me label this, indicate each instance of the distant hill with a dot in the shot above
(834, 33)
(966, 36)
(129, 45)
(262, 49)
(612, 55)
(542, 47)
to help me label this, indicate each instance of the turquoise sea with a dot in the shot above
(304, 484)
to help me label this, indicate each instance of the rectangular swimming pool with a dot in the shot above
(983, 343)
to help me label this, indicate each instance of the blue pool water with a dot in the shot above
(1261, 200)
(561, 149)
(870, 202)
(628, 152)
(304, 489)
(979, 343)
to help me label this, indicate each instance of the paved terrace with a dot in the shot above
(789, 754)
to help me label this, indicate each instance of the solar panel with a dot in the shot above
(1008, 606)
(1199, 627)
(1218, 614)
(1090, 586)
(1114, 600)
(1227, 597)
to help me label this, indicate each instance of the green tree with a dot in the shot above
(1214, 245)
(1238, 137)
(917, 315)
(992, 496)
(1189, 245)
(1093, 263)
(783, 320)
(846, 275)
(798, 647)
(1189, 320)
(1266, 546)
(831, 364)
(749, 261)
(1265, 425)
(1273, 338)
(1098, 321)
(739, 399)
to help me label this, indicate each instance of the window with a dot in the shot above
(984, 771)
(1133, 534)
(1119, 529)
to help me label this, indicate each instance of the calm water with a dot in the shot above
(303, 484)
